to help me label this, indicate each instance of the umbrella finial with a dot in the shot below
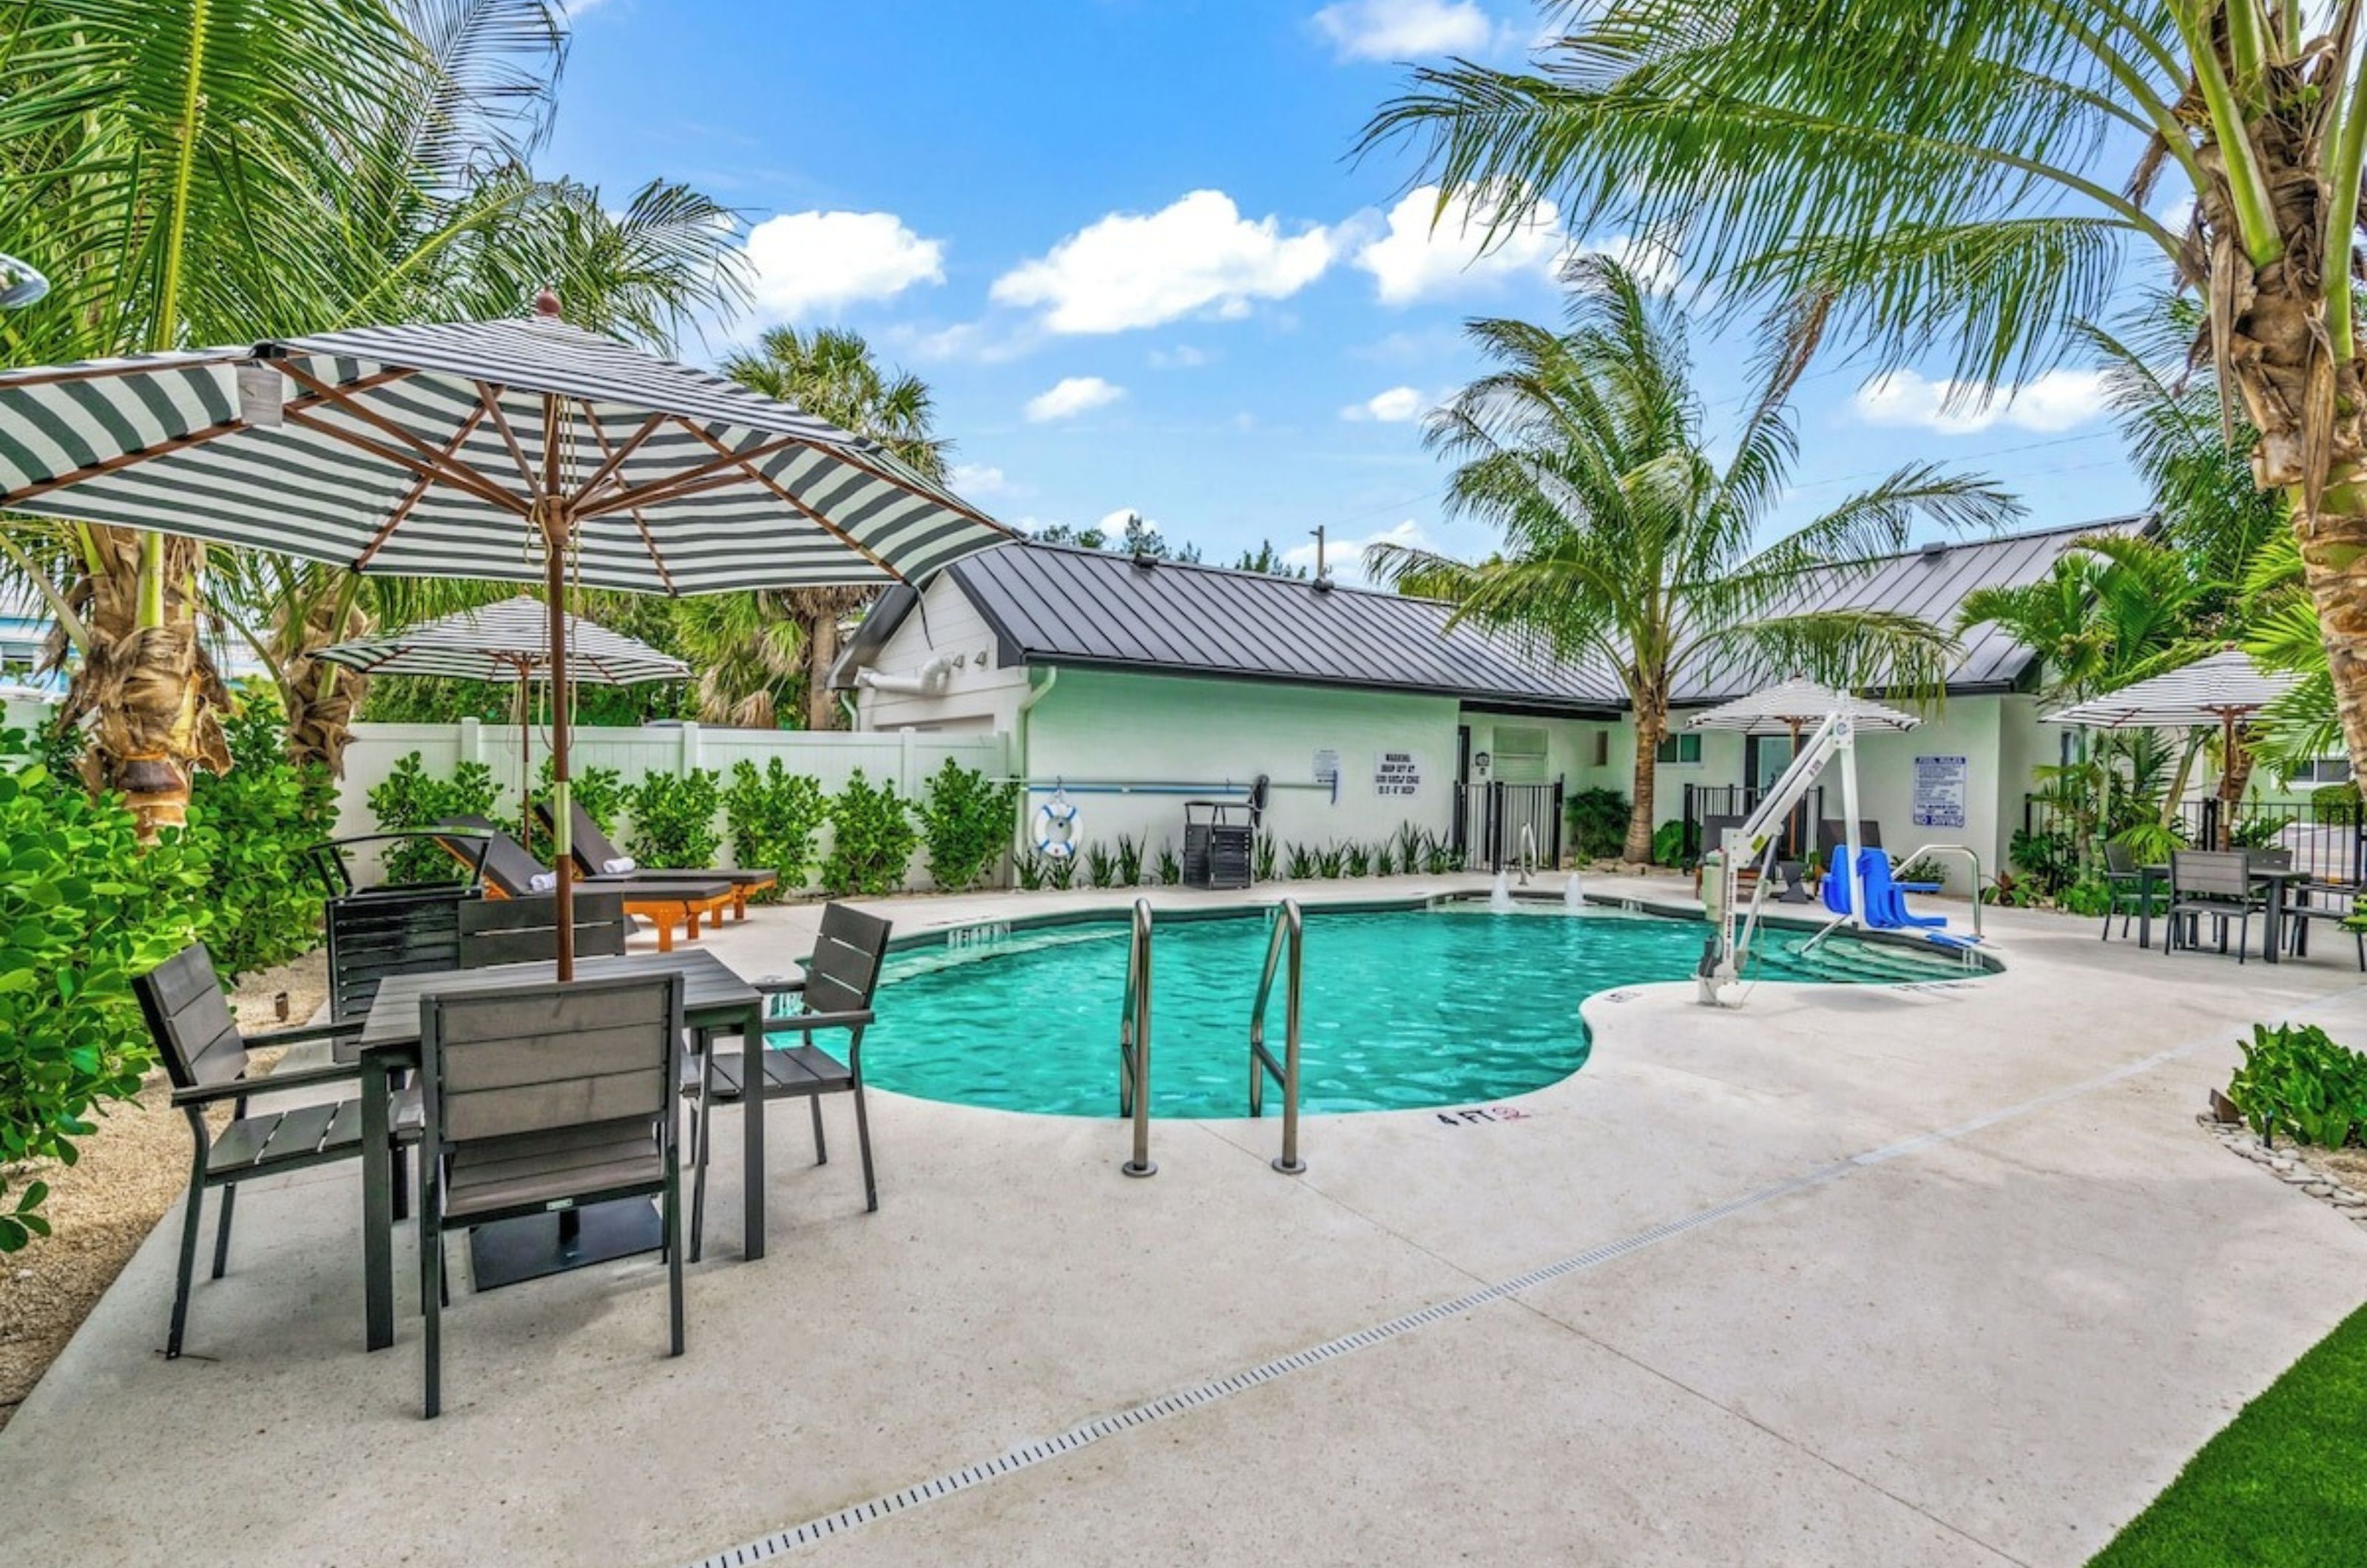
(546, 304)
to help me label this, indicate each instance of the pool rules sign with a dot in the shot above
(1940, 792)
(1397, 776)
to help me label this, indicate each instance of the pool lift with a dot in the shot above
(1729, 949)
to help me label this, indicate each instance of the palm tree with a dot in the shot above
(750, 657)
(1627, 544)
(207, 174)
(1970, 176)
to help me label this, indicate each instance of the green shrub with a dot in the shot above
(409, 798)
(1101, 867)
(1385, 859)
(1355, 860)
(1267, 855)
(2335, 805)
(966, 821)
(82, 908)
(2255, 832)
(254, 825)
(1668, 843)
(775, 818)
(1299, 862)
(599, 791)
(1129, 861)
(872, 839)
(1411, 839)
(2297, 1081)
(2048, 860)
(1598, 823)
(2090, 896)
(1171, 870)
(672, 817)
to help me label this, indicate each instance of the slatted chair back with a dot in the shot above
(550, 1060)
(1832, 831)
(379, 931)
(848, 956)
(2209, 873)
(2118, 859)
(509, 870)
(189, 1018)
(593, 849)
(526, 930)
(2278, 859)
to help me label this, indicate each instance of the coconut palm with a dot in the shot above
(206, 174)
(758, 646)
(1969, 177)
(1625, 543)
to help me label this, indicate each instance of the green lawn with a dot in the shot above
(2284, 1483)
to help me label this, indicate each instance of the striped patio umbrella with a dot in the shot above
(509, 643)
(2226, 689)
(523, 450)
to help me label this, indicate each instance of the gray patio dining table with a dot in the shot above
(2276, 880)
(716, 1000)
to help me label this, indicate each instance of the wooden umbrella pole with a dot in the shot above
(555, 528)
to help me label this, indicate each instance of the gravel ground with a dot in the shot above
(103, 1207)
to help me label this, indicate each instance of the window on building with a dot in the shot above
(2324, 770)
(1679, 749)
(1521, 755)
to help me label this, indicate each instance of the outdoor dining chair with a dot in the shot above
(543, 1097)
(836, 993)
(208, 1059)
(2124, 890)
(2214, 883)
(526, 930)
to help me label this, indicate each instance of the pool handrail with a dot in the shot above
(1969, 853)
(1134, 1043)
(1289, 931)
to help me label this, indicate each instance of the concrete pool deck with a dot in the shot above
(1940, 1274)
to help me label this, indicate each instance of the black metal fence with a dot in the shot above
(2327, 839)
(1704, 802)
(1489, 819)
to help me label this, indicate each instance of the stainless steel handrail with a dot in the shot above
(1969, 853)
(1290, 931)
(1134, 1043)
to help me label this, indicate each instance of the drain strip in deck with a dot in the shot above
(1085, 1433)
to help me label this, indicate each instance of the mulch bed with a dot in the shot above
(101, 1208)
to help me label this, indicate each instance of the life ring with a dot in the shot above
(1055, 828)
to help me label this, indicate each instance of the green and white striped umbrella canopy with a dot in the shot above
(505, 642)
(425, 451)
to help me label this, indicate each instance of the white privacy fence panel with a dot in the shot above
(907, 759)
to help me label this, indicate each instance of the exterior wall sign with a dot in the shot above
(1939, 792)
(1397, 776)
(1327, 770)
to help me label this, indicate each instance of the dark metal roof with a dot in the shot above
(1058, 604)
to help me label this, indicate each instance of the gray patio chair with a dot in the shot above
(2215, 883)
(836, 993)
(1831, 832)
(207, 1059)
(526, 930)
(541, 1098)
(2340, 904)
(2125, 892)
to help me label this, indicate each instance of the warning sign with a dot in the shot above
(1396, 774)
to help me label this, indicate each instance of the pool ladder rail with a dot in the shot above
(1289, 938)
(1134, 1044)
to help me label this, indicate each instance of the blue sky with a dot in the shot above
(1126, 243)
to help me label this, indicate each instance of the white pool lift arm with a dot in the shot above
(1834, 739)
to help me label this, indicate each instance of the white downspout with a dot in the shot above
(1036, 693)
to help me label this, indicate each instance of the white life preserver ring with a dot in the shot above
(1055, 828)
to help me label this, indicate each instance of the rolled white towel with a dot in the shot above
(618, 866)
(542, 882)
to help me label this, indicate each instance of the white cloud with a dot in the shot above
(1133, 270)
(2057, 399)
(976, 479)
(1419, 257)
(1343, 559)
(1071, 396)
(803, 262)
(1182, 356)
(1402, 29)
(1393, 407)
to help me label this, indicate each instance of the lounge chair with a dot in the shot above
(511, 873)
(836, 993)
(596, 854)
(2217, 883)
(547, 1097)
(206, 1058)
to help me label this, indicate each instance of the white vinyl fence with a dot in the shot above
(906, 757)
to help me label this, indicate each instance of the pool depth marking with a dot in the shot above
(1085, 1433)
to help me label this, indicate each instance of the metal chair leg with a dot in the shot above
(189, 1224)
(863, 1141)
(221, 1229)
(431, 1293)
(672, 1221)
(821, 1148)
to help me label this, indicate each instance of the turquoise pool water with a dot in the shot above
(1403, 1008)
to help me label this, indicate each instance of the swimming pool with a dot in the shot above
(1404, 1008)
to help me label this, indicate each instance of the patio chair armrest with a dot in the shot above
(806, 1023)
(778, 985)
(267, 1083)
(332, 1030)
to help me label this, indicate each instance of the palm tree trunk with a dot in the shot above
(321, 699)
(1651, 719)
(2334, 559)
(821, 651)
(145, 679)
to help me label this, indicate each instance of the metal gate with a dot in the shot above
(1489, 820)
